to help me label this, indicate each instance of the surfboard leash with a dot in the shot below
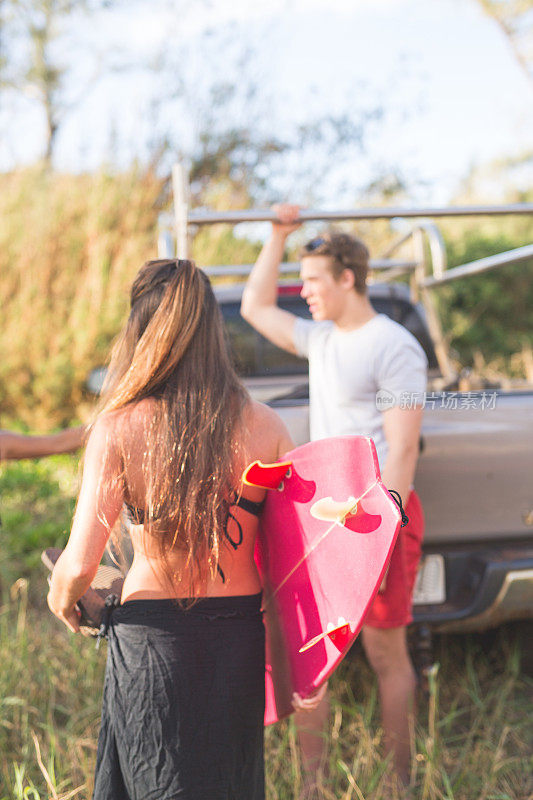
(398, 500)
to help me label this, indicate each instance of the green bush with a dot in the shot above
(489, 315)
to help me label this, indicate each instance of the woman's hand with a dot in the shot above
(69, 616)
(312, 701)
(98, 507)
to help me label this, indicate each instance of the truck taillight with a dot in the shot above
(289, 290)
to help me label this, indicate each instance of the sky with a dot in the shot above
(448, 89)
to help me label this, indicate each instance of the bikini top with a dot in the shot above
(136, 516)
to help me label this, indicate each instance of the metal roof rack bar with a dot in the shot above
(199, 217)
(481, 265)
(294, 266)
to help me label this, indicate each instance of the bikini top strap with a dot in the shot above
(249, 505)
(137, 515)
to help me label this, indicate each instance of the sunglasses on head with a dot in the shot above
(314, 244)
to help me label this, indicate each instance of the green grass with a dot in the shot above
(37, 501)
(473, 737)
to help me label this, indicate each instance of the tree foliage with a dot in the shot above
(515, 19)
(488, 318)
(34, 27)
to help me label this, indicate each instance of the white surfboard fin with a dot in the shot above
(331, 510)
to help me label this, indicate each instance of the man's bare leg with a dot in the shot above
(312, 730)
(386, 650)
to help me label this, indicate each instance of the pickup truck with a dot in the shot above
(475, 472)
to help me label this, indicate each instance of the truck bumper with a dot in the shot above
(486, 585)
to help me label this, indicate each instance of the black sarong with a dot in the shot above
(183, 706)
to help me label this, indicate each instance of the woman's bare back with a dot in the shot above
(263, 437)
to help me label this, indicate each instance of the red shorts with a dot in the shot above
(392, 607)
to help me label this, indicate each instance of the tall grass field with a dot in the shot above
(472, 739)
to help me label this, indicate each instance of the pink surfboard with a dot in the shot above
(326, 534)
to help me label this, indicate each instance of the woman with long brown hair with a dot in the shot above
(184, 688)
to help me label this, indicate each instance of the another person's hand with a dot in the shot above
(20, 445)
(69, 616)
(311, 702)
(288, 216)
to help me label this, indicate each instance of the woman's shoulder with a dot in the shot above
(265, 432)
(124, 423)
(259, 415)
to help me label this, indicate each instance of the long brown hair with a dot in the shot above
(174, 351)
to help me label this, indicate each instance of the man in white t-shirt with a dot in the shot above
(361, 365)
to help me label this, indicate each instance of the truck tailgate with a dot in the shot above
(475, 475)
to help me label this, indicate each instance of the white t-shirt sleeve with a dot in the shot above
(402, 371)
(301, 333)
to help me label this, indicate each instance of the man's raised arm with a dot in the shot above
(259, 300)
